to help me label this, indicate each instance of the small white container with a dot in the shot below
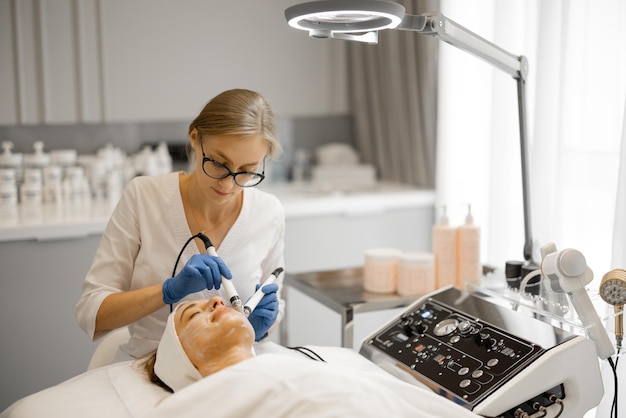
(30, 194)
(33, 176)
(416, 273)
(52, 174)
(10, 160)
(38, 159)
(381, 270)
(8, 196)
(63, 158)
(8, 177)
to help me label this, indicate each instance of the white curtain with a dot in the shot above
(576, 90)
(393, 97)
(619, 226)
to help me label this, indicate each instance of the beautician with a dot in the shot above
(133, 279)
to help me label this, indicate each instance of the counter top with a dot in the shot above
(52, 223)
(304, 200)
(299, 200)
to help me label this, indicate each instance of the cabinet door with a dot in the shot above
(331, 242)
(91, 61)
(50, 66)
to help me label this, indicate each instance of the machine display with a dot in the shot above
(492, 360)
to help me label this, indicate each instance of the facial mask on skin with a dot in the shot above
(172, 364)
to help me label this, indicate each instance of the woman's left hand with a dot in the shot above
(266, 312)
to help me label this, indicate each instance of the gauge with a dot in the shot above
(445, 327)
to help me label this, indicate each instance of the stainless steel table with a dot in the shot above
(341, 291)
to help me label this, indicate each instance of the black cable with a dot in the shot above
(613, 364)
(303, 350)
(180, 254)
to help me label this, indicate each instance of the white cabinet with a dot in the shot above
(328, 231)
(336, 241)
(88, 61)
(41, 343)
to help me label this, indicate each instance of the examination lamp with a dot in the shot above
(359, 20)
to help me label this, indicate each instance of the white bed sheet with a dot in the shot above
(278, 382)
(120, 390)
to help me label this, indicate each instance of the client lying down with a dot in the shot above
(206, 365)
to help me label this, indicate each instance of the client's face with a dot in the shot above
(208, 328)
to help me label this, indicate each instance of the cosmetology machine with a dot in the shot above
(480, 350)
(490, 359)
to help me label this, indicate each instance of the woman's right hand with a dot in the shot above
(202, 271)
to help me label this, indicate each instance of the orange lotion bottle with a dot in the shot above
(444, 248)
(469, 270)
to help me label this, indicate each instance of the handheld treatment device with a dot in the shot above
(233, 296)
(258, 295)
(613, 292)
(567, 272)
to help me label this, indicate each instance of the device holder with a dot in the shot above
(563, 301)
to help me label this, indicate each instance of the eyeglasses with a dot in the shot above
(217, 170)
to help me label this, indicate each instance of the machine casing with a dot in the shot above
(485, 356)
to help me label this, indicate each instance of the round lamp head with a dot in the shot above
(348, 16)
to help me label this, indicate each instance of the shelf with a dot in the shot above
(551, 307)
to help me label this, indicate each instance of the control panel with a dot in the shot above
(454, 353)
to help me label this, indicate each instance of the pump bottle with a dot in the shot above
(444, 248)
(469, 270)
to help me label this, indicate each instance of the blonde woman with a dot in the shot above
(133, 280)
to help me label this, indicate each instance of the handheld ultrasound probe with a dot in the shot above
(258, 295)
(567, 272)
(229, 287)
(613, 292)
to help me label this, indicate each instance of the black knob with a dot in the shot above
(420, 328)
(406, 326)
(482, 338)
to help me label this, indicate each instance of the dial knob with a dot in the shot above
(465, 327)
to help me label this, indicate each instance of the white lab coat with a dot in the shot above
(144, 236)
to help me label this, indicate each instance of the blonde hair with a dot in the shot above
(239, 112)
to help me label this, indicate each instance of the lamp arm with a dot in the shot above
(523, 145)
(439, 26)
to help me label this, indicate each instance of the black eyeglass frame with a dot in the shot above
(206, 159)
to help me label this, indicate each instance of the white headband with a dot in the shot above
(172, 364)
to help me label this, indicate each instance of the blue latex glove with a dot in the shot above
(266, 312)
(202, 271)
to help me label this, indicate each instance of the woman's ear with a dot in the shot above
(194, 138)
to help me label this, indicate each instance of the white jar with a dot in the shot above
(416, 273)
(380, 271)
